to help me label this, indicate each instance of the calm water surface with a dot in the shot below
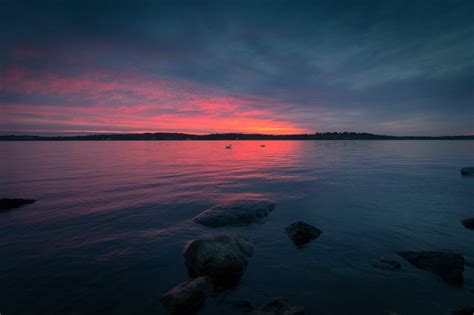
(107, 231)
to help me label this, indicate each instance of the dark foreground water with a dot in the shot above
(107, 231)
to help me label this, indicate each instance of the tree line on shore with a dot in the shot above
(227, 136)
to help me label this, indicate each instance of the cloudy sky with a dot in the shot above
(386, 67)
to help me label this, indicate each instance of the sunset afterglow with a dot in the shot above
(187, 67)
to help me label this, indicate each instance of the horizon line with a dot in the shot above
(4, 134)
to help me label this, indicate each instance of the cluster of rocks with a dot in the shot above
(448, 266)
(217, 263)
(213, 264)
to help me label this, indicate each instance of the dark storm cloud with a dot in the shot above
(400, 67)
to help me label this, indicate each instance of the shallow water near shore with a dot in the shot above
(112, 218)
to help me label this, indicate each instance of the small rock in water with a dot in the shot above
(187, 297)
(465, 310)
(280, 306)
(223, 258)
(467, 171)
(8, 203)
(240, 212)
(386, 264)
(448, 266)
(468, 223)
(241, 305)
(302, 233)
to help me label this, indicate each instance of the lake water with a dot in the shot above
(107, 232)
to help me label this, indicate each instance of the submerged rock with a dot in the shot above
(187, 297)
(240, 212)
(241, 305)
(7, 203)
(302, 233)
(448, 266)
(223, 258)
(280, 306)
(468, 223)
(467, 171)
(465, 310)
(386, 264)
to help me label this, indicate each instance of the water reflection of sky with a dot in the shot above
(112, 218)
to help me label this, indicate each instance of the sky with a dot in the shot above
(275, 67)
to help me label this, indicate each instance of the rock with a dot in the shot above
(468, 223)
(187, 297)
(386, 264)
(448, 266)
(279, 306)
(7, 203)
(240, 212)
(223, 258)
(241, 305)
(302, 233)
(467, 171)
(465, 310)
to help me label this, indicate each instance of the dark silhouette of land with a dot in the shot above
(227, 136)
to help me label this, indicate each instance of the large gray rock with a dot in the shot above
(468, 223)
(8, 203)
(223, 258)
(187, 297)
(240, 212)
(279, 306)
(467, 171)
(302, 233)
(448, 266)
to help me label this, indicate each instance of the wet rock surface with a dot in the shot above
(448, 266)
(187, 297)
(240, 212)
(386, 264)
(302, 233)
(223, 258)
(468, 223)
(279, 306)
(11, 203)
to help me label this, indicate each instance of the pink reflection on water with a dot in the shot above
(78, 178)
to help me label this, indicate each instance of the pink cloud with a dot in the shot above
(131, 102)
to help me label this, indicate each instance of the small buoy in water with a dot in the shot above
(262, 146)
(467, 171)
(228, 146)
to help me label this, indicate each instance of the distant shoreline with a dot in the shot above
(226, 136)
